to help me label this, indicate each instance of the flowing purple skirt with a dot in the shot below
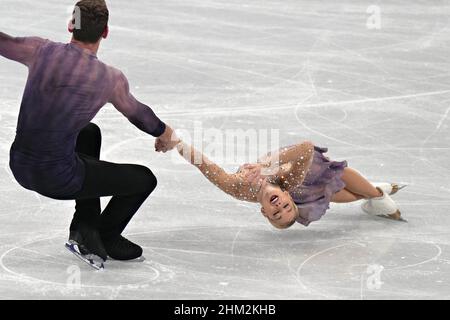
(322, 181)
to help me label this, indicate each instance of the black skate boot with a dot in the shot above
(85, 242)
(120, 248)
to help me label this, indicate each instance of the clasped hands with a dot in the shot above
(167, 141)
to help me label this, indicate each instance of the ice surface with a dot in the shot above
(377, 98)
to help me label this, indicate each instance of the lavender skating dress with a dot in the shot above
(322, 181)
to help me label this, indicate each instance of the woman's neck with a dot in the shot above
(260, 192)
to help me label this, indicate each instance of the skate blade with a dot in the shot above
(395, 216)
(91, 259)
(396, 187)
(140, 259)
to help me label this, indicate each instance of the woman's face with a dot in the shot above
(277, 205)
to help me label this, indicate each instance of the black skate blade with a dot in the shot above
(91, 259)
(140, 259)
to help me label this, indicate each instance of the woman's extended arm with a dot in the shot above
(231, 184)
(292, 163)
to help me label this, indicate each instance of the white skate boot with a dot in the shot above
(390, 188)
(382, 206)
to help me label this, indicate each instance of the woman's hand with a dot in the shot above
(252, 173)
(167, 141)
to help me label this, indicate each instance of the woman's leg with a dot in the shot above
(357, 184)
(345, 196)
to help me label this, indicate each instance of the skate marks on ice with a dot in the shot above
(43, 267)
(220, 263)
(304, 264)
(377, 268)
(378, 99)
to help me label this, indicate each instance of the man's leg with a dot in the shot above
(88, 211)
(130, 185)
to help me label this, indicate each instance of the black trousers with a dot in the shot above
(129, 185)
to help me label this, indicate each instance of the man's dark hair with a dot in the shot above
(93, 15)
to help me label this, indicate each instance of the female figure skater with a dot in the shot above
(297, 184)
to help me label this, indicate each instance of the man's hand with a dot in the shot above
(167, 141)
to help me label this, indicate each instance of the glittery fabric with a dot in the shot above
(322, 181)
(296, 159)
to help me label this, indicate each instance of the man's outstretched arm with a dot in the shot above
(136, 112)
(19, 49)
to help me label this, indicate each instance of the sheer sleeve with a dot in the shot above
(231, 184)
(137, 113)
(294, 163)
(21, 50)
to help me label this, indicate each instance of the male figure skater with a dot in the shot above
(56, 151)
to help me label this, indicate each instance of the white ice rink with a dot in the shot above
(378, 98)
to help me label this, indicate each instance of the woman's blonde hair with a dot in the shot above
(283, 226)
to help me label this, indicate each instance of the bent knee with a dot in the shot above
(149, 180)
(92, 130)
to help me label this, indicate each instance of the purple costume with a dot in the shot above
(322, 181)
(66, 88)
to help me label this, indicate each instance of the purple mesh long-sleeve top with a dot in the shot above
(66, 88)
